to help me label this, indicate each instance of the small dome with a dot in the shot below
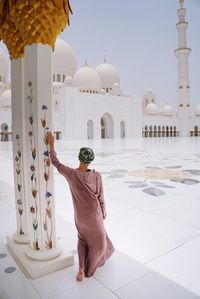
(87, 78)
(68, 80)
(5, 100)
(3, 66)
(108, 74)
(115, 89)
(64, 60)
(103, 91)
(115, 85)
(197, 111)
(151, 108)
(167, 110)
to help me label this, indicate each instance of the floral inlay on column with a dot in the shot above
(47, 224)
(34, 187)
(20, 201)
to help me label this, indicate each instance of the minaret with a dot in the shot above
(182, 54)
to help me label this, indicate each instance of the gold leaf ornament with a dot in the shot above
(40, 21)
(9, 33)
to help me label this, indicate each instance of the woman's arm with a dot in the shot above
(64, 170)
(101, 196)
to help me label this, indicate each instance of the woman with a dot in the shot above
(94, 246)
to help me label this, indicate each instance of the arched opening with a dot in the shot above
(167, 131)
(122, 129)
(163, 131)
(159, 131)
(155, 131)
(150, 131)
(58, 78)
(57, 135)
(171, 131)
(196, 131)
(175, 131)
(106, 126)
(146, 131)
(90, 129)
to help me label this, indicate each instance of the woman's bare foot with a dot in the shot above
(80, 274)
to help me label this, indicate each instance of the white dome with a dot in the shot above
(115, 85)
(167, 110)
(151, 108)
(115, 89)
(108, 74)
(3, 66)
(87, 78)
(103, 91)
(197, 111)
(5, 100)
(68, 80)
(64, 60)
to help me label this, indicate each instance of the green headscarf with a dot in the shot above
(86, 155)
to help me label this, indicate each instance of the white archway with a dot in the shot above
(90, 129)
(106, 126)
(122, 129)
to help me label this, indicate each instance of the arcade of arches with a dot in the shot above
(107, 127)
(166, 131)
(160, 131)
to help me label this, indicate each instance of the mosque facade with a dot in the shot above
(89, 103)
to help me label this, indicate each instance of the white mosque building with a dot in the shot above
(88, 103)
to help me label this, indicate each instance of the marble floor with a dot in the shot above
(153, 218)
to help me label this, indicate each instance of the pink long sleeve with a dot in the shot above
(63, 169)
(101, 196)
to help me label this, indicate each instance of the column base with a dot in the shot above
(22, 239)
(37, 268)
(43, 255)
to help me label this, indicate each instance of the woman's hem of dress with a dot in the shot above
(89, 275)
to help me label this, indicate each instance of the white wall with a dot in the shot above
(156, 120)
(81, 107)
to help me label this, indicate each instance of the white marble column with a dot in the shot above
(17, 77)
(38, 106)
(42, 255)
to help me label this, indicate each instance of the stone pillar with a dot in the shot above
(39, 191)
(38, 105)
(17, 77)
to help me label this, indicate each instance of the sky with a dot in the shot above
(139, 39)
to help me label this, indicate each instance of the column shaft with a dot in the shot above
(17, 77)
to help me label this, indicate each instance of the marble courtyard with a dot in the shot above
(152, 196)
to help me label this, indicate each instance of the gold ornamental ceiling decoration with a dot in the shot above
(35, 21)
(9, 33)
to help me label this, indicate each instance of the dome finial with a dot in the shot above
(181, 3)
(104, 58)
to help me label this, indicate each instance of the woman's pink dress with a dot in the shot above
(94, 246)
